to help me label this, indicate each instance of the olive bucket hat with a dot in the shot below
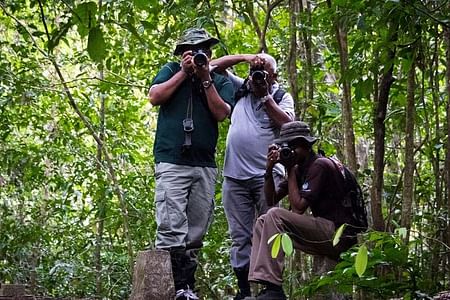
(295, 130)
(194, 37)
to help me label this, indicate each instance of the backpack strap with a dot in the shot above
(278, 96)
(242, 91)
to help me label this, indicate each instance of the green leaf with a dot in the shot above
(361, 260)
(96, 45)
(401, 232)
(286, 243)
(272, 238)
(141, 4)
(338, 234)
(85, 16)
(276, 246)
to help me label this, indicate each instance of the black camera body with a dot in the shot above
(199, 58)
(258, 75)
(286, 153)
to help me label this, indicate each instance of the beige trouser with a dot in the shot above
(309, 234)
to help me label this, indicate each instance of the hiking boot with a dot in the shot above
(186, 294)
(241, 295)
(270, 294)
(243, 284)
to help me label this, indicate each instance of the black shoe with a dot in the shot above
(269, 294)
(241, 295)
(243, 284)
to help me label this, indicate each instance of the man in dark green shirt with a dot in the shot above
(191, 102)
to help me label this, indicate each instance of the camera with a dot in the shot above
(200, 58)
(259, 77)
(286, 153)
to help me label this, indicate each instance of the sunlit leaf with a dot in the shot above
(361, 260)
(276, 246)
(402, 232)
(272, 238)
(338, 234)
(286, 243)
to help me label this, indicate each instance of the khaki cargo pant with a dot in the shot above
(309, 234)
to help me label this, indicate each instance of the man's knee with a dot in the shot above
(276, 212)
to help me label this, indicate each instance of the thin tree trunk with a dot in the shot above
(261, 31)
(309, 58)
(447, 160)
(408, 186)
(435, 86)
(101, 198)
(380, 112)
(347, 115)
(309, 70)
(292, 59)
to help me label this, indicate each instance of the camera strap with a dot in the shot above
(188, 125)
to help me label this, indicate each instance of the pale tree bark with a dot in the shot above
(101, 198)
(436, 258)
(308, 54)
(347, 114)
(292, 59)
(447, 160)
(408, 186)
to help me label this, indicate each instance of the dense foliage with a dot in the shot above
(76, 165)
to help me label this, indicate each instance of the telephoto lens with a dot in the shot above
(286, 153)
(200, 58)
(259, 77)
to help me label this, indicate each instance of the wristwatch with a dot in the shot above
(207, 83)
(265, 98)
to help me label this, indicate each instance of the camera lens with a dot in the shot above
(200, 59)
(286, 153)
(259, 77)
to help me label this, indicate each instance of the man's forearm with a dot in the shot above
(222, 63)
(275, 113)
(269, 188)
(161, 92)
(219, 108)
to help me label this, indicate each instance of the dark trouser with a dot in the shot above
(184, 265)
(243, 202)
(309, 234)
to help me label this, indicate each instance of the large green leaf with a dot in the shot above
(85, 17)
(276, 246)
(361, 260)
(96, 45)
(286, 243)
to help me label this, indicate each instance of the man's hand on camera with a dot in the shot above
(257, 62)
(202, 72)
(186, 63)
(272, 157)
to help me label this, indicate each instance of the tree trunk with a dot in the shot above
(152, 278)
(308, 78)
(292, 59)
(408, 187)
(447, 160)
(435, 87)
(347, 116)
(100, 201)
(381, 103)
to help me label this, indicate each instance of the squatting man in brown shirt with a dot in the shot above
(313, 181)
